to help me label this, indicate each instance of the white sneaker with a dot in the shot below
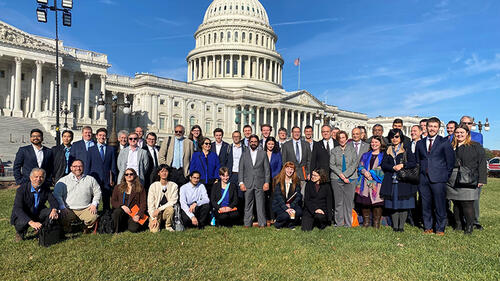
(169, 228)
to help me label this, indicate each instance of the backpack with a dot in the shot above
(177, 225)
(51, 233)
(106, 225)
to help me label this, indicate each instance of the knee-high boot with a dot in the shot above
(366, 216)
(377, 215)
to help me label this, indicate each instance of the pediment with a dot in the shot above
(303, 98)
(17, 37)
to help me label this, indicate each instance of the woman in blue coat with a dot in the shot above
(206, 163)
(274, 156)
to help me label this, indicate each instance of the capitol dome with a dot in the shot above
(235, 47)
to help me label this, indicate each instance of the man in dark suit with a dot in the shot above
(79, 149)
(282, 136)
(437, 159)
(102, 165)
(33, 156)
(360, 146)
(254, 179)
(62, 156)
(29, 205)
(140, 142)
(297, 151)
(265, 130)
(220, 147)
(320, 157)
(153, 152)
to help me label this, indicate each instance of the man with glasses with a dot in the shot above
(177, 152)
(78, 196)
(282, 136)
(133, 157)
(378, 130)
(32, 156)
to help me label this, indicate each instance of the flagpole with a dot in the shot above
(298, 86)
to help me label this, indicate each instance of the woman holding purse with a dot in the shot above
(470, 173)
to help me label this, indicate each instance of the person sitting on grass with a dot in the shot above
(224, 199)
(29, 205)
(194, 202)
(162, 196)
(78, 196)
(318, 201)
(126, 195)
(287, 197)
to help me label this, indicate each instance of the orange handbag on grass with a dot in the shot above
(355, 221)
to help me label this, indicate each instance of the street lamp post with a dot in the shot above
(41, 12)
(101, 107)
(244, 112)
(65, 111)
(479, 125)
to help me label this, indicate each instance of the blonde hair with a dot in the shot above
(468, 140)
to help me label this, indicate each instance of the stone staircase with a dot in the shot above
(15, 132)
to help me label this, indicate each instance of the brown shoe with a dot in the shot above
(18, 237)
(428, 231)
(440, 233)
(268, 223)
(246, 226)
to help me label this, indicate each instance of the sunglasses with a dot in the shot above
(396, 137)
(129, 174)
(207, 143)
(178, 132)
(132, 138)
(468, 123)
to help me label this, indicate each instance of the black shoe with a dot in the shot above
(401, 230)
(468, 229)
(478, 226)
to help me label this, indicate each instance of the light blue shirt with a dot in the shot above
(178, 149)
(190, 194)
(99, 147)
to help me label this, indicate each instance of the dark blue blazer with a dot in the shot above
(477, 137)
(230, 159)
(275, 164)
(79, 151)
(439, 162)
(223, 154)
(24, 203)
(26, 160)
(207, 166)
(102, 171)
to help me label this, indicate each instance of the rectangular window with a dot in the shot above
(176, 103)
(22, 76)
(162, 123)
(176, 122)
(2, 73)
(91, 86)
(162, 102)
(91, 112)
(219, 125)
(75, 84)
(208, 127)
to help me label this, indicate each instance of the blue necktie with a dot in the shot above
(66, 155)
(101, 151)
(297, 152)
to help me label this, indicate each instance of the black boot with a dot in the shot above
(468, 229)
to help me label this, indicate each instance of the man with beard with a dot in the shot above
(176, 152)
(32, 156)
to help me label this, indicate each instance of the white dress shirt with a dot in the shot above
(253, 154)
(427, 142)
(39, 155)
(237, 150)
(295, 148)
(218, 147)
(358, 143)
(330, 142)
(152, 150)
(133, 159)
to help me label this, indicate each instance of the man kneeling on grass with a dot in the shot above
(162, 196)
(194, 202)
(29, 205)
(78, 196)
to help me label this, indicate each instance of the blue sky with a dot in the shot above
(389, 58)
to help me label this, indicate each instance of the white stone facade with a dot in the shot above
(234, 78)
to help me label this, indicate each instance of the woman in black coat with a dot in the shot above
(287, 198)
(224, 208)
(398, 196)
(471, 155)
(317, 202)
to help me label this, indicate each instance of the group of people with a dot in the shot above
(260, 181)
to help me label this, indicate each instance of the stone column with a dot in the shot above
(272, 117)
(265, 69)
(280, 74)
(285, 119)
(32, 94)
(38, 88)
(292, 112)
(70, 89)
(189, 72)
(304, 122)
(195, 70)
(17, 112)
(311, 118)
(265, 115)
(10, 104)
(214, 67)
(51, 95)
(240, 59)
(86, 99)
(278, 125)
(257, 118)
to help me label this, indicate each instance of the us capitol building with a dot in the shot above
(234, 78)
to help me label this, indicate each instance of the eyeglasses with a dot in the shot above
(132, 138)
(469, 123)
(396, 137)
(207, 143)
(178, 132)
(129, 174)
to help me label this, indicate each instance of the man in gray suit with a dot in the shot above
(133, 157)
(360, 146)
(254, 178)
(176, 153)
(297, 151)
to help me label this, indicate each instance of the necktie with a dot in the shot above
(328, 146)
(344, 165)
(66, 155)
(297, 152)
(430, 145)
(155, 158)
(356, 146)
(101, 151)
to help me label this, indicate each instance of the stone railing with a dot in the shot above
(86, 55)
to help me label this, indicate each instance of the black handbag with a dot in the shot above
(408, 175)
(106, 225)
(466, 176)
(51, 233)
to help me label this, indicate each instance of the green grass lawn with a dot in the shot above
(250, 254)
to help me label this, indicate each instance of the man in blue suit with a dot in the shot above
(32, 156)
(102, 162)
(79, 149)
(220, 147)
(437, 159)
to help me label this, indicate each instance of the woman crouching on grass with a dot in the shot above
(318, 201)
(126, 195)
(224, 199)
(287, 197)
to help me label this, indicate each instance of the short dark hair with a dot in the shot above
(247, 126)
(36, 131)
(253, 136)
(68, 132)
(194, 172)
(219, 130)
(434, 120)
(152, 134)
(393, 132)
(423, 120)
(101, 130)
(378, 125)
(266, 125)
(453, 122)
(282, 129)
(397, 121)
(223, 171)
(383, 146)
(308, 127)
(79, 160)
(236, 132)
(276, 147)
(156, 177)
(296, 127)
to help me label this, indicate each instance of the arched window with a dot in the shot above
(221, 36)
(225, 8)
(228, 36)
(192, 121)
(243, 37)
(256, 39)
(228, 66)
(204, 38)
(209, 41)
(250, 38)
(236, 36)
(215, 37)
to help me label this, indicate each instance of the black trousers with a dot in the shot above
(123, 221)
(283, 219)
(226, 219)
(177, 176)
(106, 198)
(201, 214)
(241, 198)
(268, 196)
(463, 210)
(43, 216)
(310, 221)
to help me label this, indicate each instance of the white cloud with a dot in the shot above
(475, 65)
(108, 2)
(307, 21)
